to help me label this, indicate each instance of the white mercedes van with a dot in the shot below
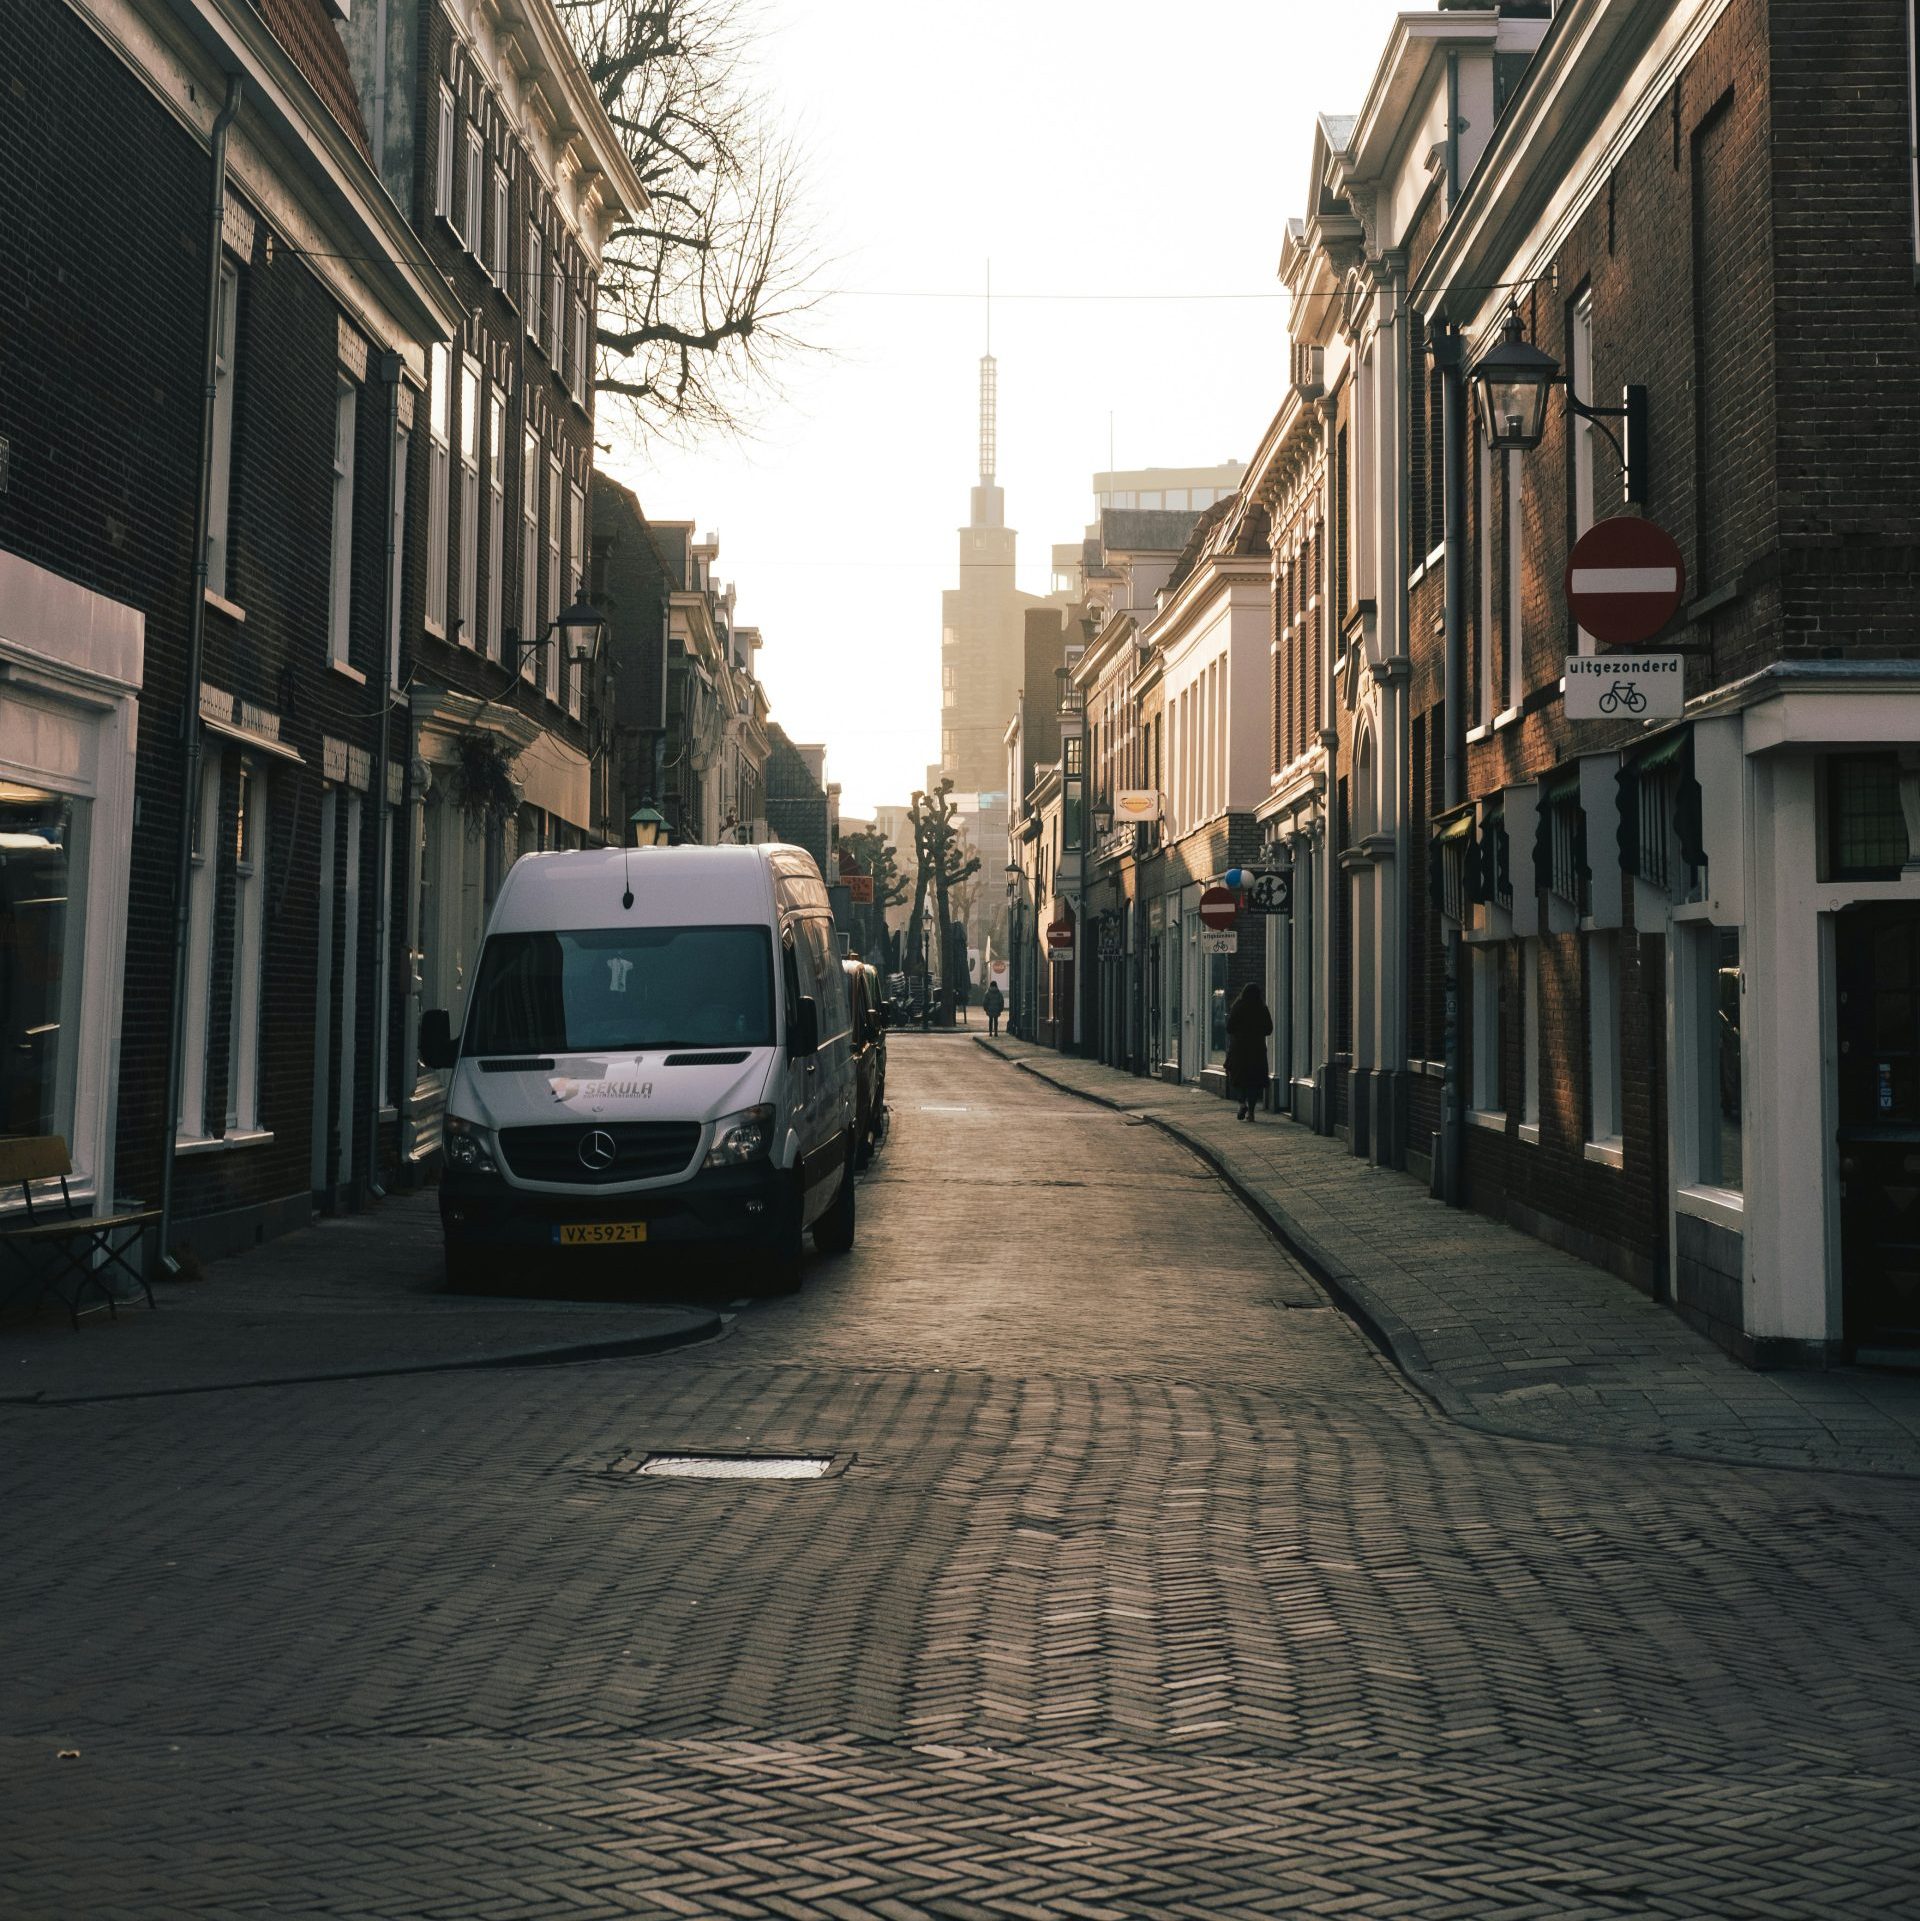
(656, 1054)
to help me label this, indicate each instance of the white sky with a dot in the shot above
(1085, 146)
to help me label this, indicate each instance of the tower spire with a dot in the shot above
(989, 397)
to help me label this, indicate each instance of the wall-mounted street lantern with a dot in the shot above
(1102, 820)
(582, 629)
(646, 827)
(1510, 387)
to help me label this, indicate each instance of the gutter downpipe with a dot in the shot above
(196, 652)
(1449, 356)
(1401, 692)
(390, 376)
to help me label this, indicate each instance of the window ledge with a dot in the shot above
(1480, 732)
(191, 1144)
(1610, 1152)
(1493, 1119)
(1530, 1133)
(221, 604)
(1723, 1206)
(1508, 718)
(352, 673)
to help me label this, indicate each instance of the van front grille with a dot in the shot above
(600, 1156)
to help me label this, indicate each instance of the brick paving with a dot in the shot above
(1506, 1333)
(1151, 1589)
(361, 1294)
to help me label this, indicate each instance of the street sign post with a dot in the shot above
(1218, 907)
(859, 889)
(1219, 940)
(1625, 578)
(1263, 890)
(1060, 939)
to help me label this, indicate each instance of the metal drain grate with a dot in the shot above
(737, 1467)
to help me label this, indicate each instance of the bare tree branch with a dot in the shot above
(703, 306)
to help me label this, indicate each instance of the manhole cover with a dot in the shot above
(738, 1467)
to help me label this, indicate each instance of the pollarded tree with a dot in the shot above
(707, 291)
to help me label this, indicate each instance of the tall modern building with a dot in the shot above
(1150, 490)
(982, 621)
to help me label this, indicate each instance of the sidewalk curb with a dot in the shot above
(1384, 1328)
(562, 1354)
(1396, 1341)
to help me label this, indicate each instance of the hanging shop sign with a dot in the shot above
(1136, 804)
(1263, 890)
(1626, 686)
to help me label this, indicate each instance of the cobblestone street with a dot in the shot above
(1149, 1588)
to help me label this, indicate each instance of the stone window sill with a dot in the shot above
(1723, 1206)
(1493, 1119)
(352, 673)
(1530, 1133)
(1610, 1152)
(221, 604)
(190, 1144)
(1507, 718)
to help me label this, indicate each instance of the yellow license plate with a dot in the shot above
(602, 1233)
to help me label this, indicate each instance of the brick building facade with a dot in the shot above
(187, 671)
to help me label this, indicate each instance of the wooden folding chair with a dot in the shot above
(52, 1247)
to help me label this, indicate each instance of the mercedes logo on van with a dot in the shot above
(598, 1151)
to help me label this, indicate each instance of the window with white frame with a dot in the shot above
(202, 887)
(1484, 676)
(497, 227)
(1580, 429)
(1516, 582)
(576, 578)
(555, 665)
(396, 584)
(533, 305)
(556, 325)
(1713, 956)
(1603, 1039)
(1489, 1022)
(496, 517)
(340, 582)
(439, 457)
(1530, 1033)
(468, 632)
(443, 156)
(245, 947)
(475, 188)
(582, 350)
(529, 551)
(220, 453)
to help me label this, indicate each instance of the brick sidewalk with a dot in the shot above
(1507, 1334)
(349, 1297)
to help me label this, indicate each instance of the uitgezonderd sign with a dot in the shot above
(1626, 686)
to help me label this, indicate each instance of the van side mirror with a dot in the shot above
(805, 1037)
(438, 1047)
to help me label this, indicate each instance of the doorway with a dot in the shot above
(1877, 976)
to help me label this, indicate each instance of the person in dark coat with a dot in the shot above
(1248, 1025)
(993, 1001)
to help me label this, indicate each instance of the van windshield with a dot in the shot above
(610, 990)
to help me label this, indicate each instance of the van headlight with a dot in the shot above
(469, 1147)
(746, 1136)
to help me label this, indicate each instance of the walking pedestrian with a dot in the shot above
(1248, 1025)
(993, 1001)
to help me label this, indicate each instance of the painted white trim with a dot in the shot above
(1723, 1206)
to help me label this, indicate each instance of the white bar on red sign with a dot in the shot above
(1624, 580)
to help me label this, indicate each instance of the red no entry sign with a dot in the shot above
(1060, 937)
(1625, 577)
(1218, 907)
